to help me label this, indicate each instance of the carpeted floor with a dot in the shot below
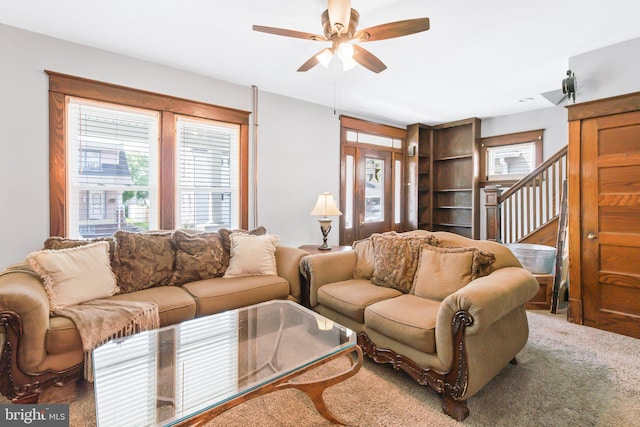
(567, 375)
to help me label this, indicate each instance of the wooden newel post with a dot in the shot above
(493, 212)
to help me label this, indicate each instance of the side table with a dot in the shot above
(313, 250)
(542, 300)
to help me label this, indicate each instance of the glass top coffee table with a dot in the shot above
(193, 371)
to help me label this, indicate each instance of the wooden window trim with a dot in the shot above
(509, 139)
(62, 86)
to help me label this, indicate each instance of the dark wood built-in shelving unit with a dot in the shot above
(443, 167)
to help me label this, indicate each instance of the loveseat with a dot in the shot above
(185, 274)
(447, 310)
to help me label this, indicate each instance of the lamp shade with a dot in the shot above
(325, 206)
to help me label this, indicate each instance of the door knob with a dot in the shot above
(591, 236)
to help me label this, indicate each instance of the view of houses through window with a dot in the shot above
(113, 158)
(113, 153)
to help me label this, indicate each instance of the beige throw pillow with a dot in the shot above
(225, 235)
(252, 255)
(364, 259)
(443, 271)
(66, 243)
(75, 275)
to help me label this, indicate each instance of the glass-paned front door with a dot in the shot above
(374, 190)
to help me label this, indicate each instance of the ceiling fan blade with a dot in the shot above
(392, 29)
(313, 61)
(289, 33)
(367, 59)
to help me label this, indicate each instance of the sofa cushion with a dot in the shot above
(62, 336)
(75, 275)
(351, 297)
(252, 255)
(143, 260)
(198, 256)
(220, 294)
(175, 305)
(396, 259)
(408, 319)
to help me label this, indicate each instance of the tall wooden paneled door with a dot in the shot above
(604, 153)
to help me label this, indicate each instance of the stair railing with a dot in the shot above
(527, 205)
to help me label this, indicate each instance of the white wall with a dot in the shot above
(298, 158)
(610, 71)
(298, 141)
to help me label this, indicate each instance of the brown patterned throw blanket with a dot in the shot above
(101, 320)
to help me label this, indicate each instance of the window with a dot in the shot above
(507, 158)
(121, 158)
(207, 174)
(113, 158)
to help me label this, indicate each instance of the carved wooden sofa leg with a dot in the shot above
(15, 384)
(451, 385)
(456, 409)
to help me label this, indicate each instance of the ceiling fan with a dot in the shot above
(340, 23)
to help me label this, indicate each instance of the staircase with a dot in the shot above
(528, 211)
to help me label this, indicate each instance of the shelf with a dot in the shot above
(449, 190)
(444, 224)
(465, 156)
(453, 207)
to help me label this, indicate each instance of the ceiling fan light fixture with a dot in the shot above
(324, 57)
(345, 51)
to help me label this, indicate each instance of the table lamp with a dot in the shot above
(325, 207)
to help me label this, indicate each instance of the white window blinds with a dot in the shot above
(207, 174)
(126, 383)
(112, 174)
(207, 361)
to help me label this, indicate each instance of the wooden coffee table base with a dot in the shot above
(313, 389)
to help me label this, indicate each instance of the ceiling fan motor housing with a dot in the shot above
(329, 32)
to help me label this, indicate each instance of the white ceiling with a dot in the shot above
(478, 59)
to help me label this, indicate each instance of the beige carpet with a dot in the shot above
(568, 375)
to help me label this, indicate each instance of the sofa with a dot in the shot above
(185, 274)
(447, 310)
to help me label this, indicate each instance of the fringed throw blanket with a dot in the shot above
(100, 320)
